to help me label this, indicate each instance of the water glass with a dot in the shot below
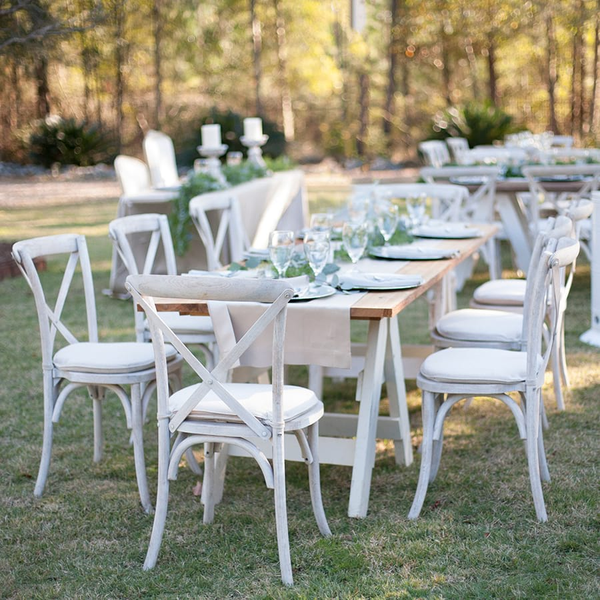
(387, 219)
(416, 206)
(355, 236)
(281, 248)
(358, 207)
(316, 249)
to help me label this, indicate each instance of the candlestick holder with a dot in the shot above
(254, 152)
(212, 154)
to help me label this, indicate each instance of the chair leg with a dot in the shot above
(49, 397)
(533, 428)
(138, 446)
(563, 357)
(544, 471)
(283, 541)
(556, 377)
(314, 481)
(208, 483)
(437, 444)
(97, 395)
(193, 465)
(162, 495)
(428, 411)
(221, 459)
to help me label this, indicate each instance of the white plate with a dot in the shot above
(453, 231)
(262, 253)
(312, 293)
(412, 253)
(379, 281)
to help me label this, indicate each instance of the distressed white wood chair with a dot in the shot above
(160, 156)
(448, 376)
(217, 414)
(97, 366)
(541, 181)
(224, 208)
(134, 177)
(192, 330)
(467, 328)
(479, 207)
(458, 148)
(435, 153)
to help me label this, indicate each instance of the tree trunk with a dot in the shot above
(42, 87)
(551, 74)
(575, 108)
(15, 110)
(157, 17)
(596, 73)
(446, 76)
(493, 77)
(120, 48)
(470, 52)
(287, 112)
(361, 140)
(389, 111)
(256, 50)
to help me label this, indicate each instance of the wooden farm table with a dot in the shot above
(351, 439)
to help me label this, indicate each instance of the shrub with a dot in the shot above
(69, 142)
(478, 123)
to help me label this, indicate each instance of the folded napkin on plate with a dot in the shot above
(409, 252)
(299, 283)
(379, 280)
(447, 230)
(257, 253)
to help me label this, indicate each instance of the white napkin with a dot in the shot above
(379, 280)
(409, 252)
(257, 253)
(447, 230)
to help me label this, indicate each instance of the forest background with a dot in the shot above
(131, 65)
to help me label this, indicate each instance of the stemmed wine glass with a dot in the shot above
(281, 248)
(416, 207)
(320, 222)
(355, 236)
(316, 249)
(387, 219)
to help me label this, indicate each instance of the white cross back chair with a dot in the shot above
(230, 229)
(160, 156)
(453, 374)
(479, 207)
(216, 413)
(507, 330)
(193, 330)
(458, 147)
(435, 153)
(97, 366)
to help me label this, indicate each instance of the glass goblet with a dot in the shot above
(281, 248)
(320, 222)
(316, 249)
(355, 236)
(416, 206)
(387, 219)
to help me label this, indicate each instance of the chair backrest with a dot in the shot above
(448, 199)
(160, 156)
(582, 180)
(482, 181)
(458, 148)
(158, 234)
(435, 153)
(276, 293)
(230, 226)
(556, 257)
(74, 247)
(132, 174)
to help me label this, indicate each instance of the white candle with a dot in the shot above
(211, 136)
(253, 129)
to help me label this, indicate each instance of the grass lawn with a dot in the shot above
(477, 536)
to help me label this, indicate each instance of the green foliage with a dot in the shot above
(246, 171)
(69, 142)
(478, 123)
(281, 163)
(179, 220)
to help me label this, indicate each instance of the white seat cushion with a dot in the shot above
(475, 365)
(257, 398)
(501, 291)
(475, 325)
(108, 357)
(186, 324)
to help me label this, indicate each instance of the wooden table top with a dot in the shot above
(377, 304)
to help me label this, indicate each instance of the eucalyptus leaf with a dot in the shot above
(253, 262)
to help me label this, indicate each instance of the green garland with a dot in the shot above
(180, 221)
